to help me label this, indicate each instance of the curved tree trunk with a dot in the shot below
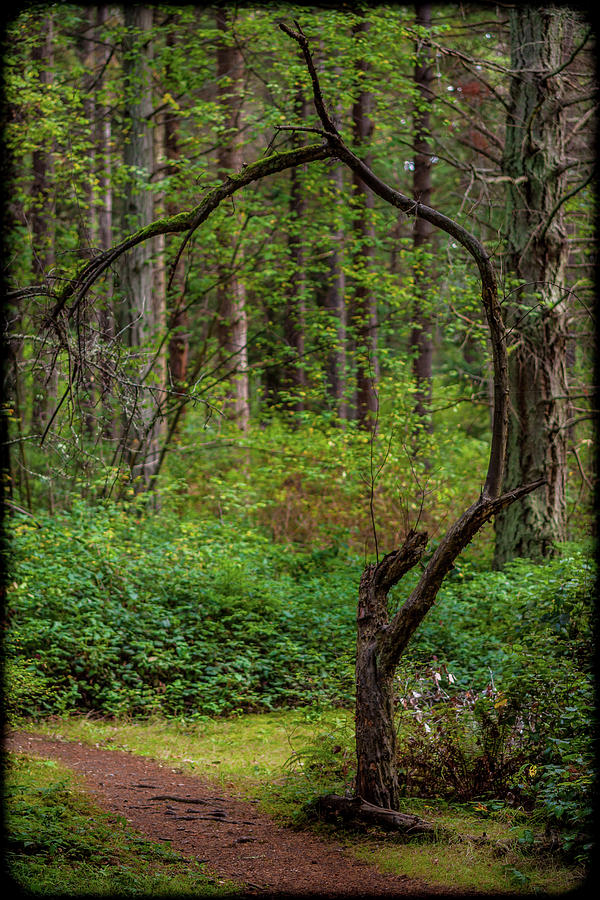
(380, 642)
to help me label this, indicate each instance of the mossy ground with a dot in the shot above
(60, 843)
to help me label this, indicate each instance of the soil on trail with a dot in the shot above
(230, 834)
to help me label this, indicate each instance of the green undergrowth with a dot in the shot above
(203, 641)
(115, 612)
(58, 842)
(287, 758)
(123, 614)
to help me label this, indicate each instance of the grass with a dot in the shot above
(243, 751)
(250, 752)
(60, 843)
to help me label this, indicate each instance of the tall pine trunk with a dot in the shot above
(44, 373)
(536, 259)
(364, 314)
(104, 211)
(231, 293)
(294, 327)
(336, 301)
(421, 337)
(143, 425)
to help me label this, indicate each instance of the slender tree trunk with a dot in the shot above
(231, 293)
(87, 225)
(336, 303)
(136, 271)
(295, 313)
(44, 387)
(104, 209)
(177, 312)
(365, 304)
(536, 258)
(421, 338)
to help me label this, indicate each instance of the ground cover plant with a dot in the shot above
(59, 843)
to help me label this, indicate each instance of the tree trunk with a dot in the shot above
(376, 774)
(44, 386)
(295, 313)
(336, 304)
(87, 224)
(106, 319)
(536, 308)
(231, 293)
(365, 304)
(142, 428)
(421, 338)
(177, 311)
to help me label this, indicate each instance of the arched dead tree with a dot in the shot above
(381, 641)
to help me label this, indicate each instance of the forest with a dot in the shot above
(298, 441)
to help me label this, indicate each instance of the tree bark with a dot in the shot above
(45, 379)
(231, 293)
(336, 304)
(104, 201)
(295, 313)
(177, 311)
(421, 337)
(364, 314)
(536, 259)
(142, 427)
(375, 732)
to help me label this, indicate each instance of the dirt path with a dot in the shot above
(230, 834)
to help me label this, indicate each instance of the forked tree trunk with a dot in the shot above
(381, 643)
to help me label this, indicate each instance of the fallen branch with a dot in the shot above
(355, 809)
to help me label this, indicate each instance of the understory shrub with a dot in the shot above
(130, 615)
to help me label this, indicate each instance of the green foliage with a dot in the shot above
(58, 842)
(27, 692)
(133, 616)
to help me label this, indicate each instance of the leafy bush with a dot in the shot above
(27, 692)
(130, 615)
(120, 613)
(462, 746)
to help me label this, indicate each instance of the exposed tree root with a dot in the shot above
(357, 810)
